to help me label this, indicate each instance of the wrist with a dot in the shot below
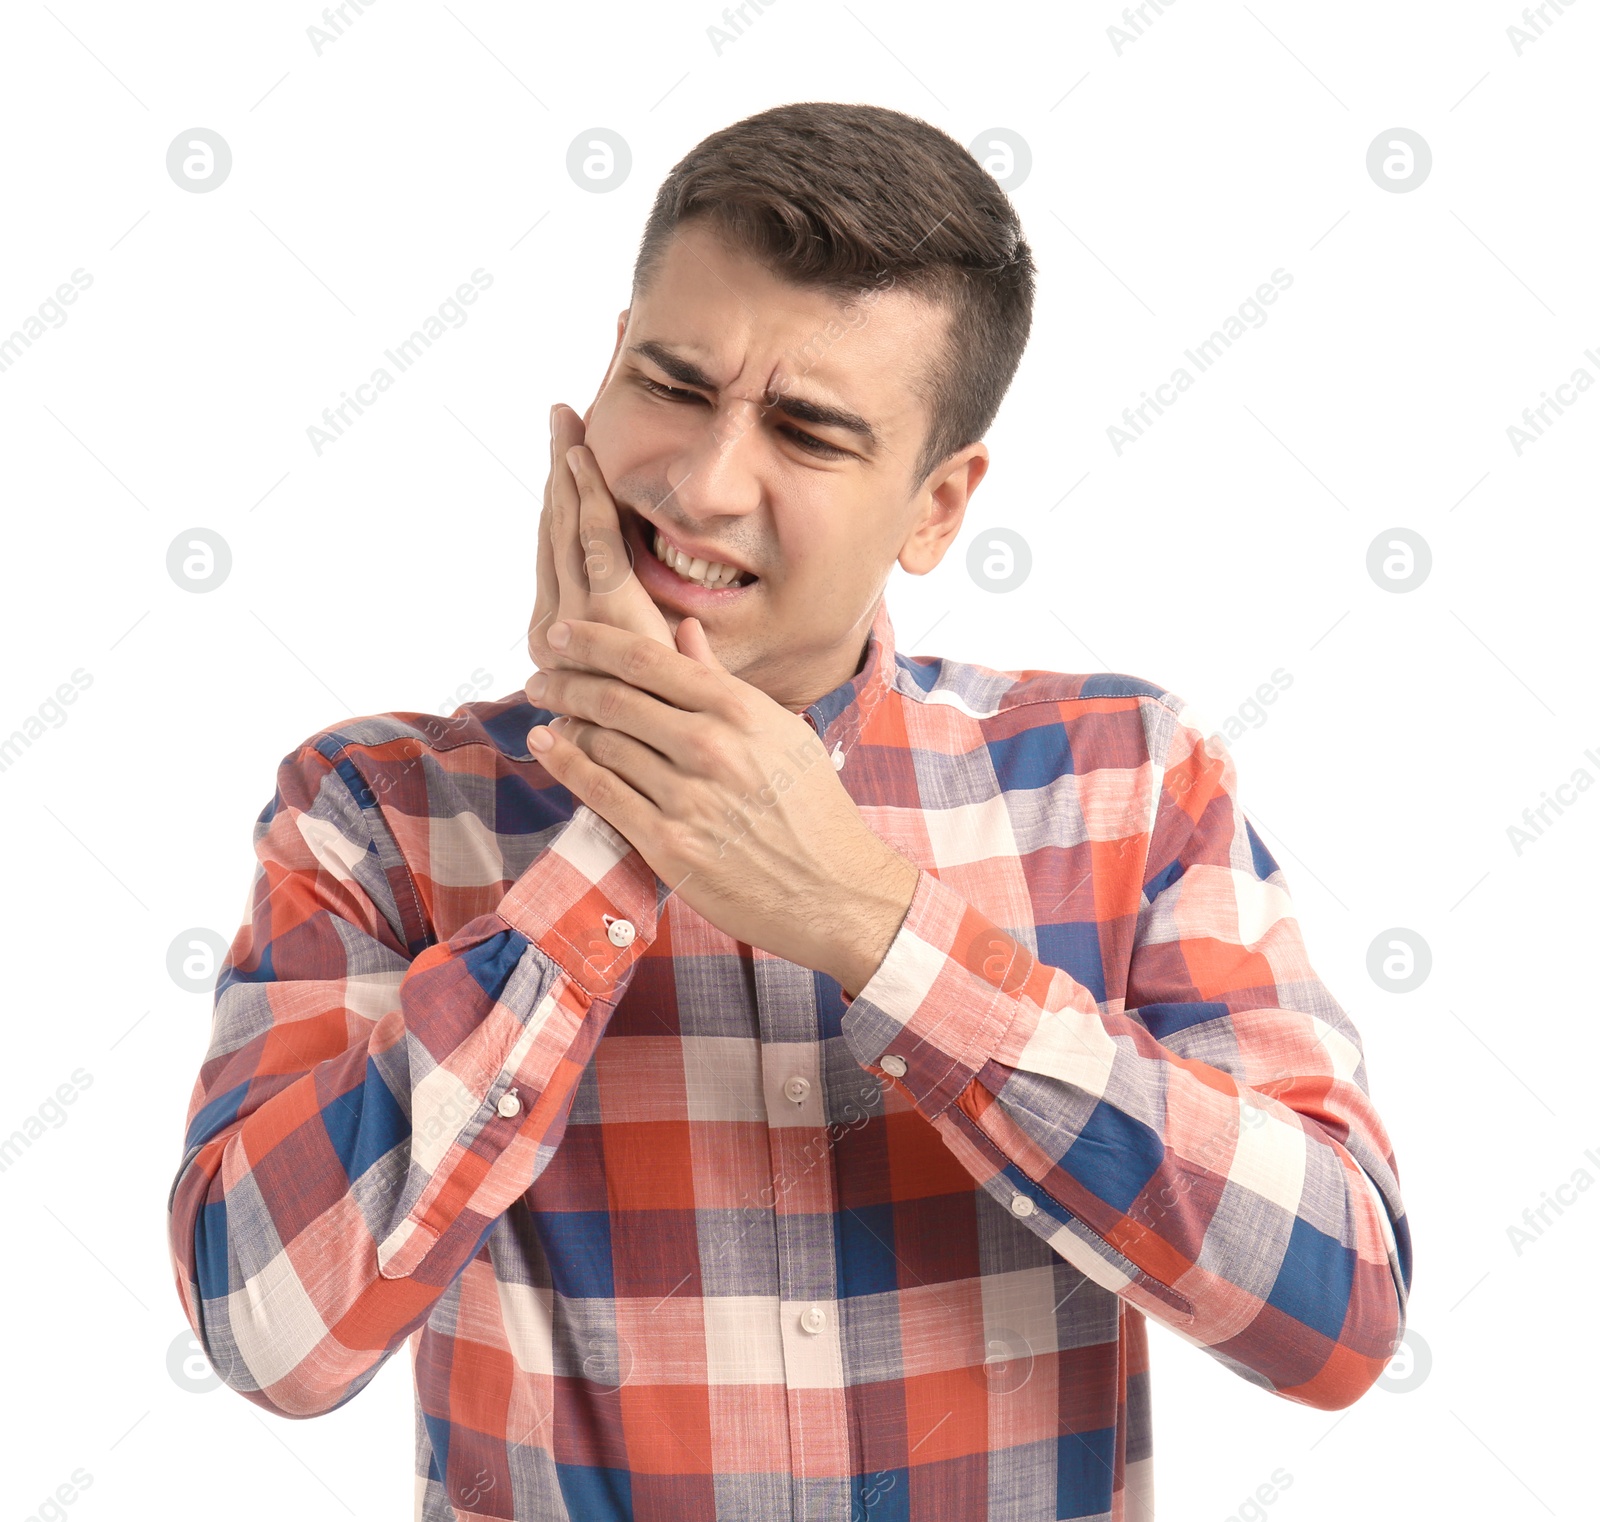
(874, 916)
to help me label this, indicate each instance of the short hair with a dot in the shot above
(845, 197)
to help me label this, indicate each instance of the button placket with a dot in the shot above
(804, 1189)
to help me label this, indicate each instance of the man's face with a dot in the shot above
(775, 427)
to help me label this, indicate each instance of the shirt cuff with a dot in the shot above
(589, 901)
(940, 1004)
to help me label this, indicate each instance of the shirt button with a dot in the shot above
(1021, 1205)
(895, 1066)
(797, 1088)
(838, 758)
(813, 1319)
(621, 932)
(508, 1104)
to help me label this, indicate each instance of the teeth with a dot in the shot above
(709, 573)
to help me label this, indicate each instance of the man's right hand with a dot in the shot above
(585, 565)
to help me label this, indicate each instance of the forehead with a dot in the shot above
(754, 333)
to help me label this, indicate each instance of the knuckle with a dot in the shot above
(603, 789)
(609, 707)
(742, 717)
(683, 841)
(640, 659)
(599, 558)
(706, 751)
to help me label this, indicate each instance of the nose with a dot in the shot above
(715, 471)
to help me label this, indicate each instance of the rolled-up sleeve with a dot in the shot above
(370, 1104)
(1206, 1146)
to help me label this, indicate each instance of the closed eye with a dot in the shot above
(819, 447)
(669, 391)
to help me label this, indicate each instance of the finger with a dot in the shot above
(533, 690)
(609, 572)
(692, 641)
(547, 591)
(547, 602)
(653, 668)
(564, 511)
(614, 800)
(642, 767)
(609, 703)
(608, 559)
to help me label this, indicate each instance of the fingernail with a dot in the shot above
(552, 422)
(536, 684)
(559, 635)
(541, 738)
(572, 459)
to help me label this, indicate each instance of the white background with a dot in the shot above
(1167, 182)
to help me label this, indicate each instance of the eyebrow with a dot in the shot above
(688, 373)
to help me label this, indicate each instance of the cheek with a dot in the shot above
(637, 443)
(609, 437)
(836, 556)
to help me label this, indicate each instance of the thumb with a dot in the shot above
(692, 641)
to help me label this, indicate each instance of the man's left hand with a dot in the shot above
(731, 798)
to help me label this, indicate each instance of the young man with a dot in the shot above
(784, 1087)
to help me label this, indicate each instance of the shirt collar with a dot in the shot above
(844, 713)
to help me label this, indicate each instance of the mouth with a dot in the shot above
(668, 575)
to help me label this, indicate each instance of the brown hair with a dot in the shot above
(854, 199)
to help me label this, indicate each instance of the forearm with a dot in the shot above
(867, 917)
(362, 1120)
(1233, 1204)
(296, 1205)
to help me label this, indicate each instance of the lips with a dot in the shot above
(670, 591)
(647, 532)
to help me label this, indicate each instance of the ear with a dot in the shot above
(616, 352)
(944, 504)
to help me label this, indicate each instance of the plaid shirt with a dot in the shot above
(677, 1229)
